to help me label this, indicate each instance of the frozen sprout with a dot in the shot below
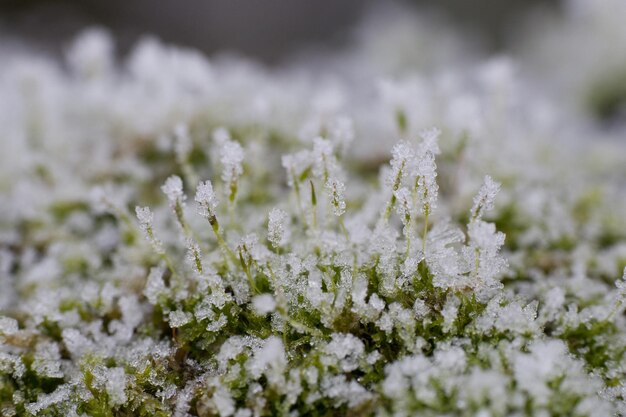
(206, 199)
(483, 201)
(173, 189)
(278, 227)
(336, 190)
(146, 219)
(231, 157)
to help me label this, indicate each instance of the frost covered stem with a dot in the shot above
(246, 269)
(313, 206)
(396, 184)
(220, 240)
(484, 200)
(173, 189)
(207, 204)
(296, 189)
(344, 230)
(283, 311)
(146, 218)
(425, 232)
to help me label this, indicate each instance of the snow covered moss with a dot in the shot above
(335, 259)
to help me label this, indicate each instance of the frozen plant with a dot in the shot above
(322, 270)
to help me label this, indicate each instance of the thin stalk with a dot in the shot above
(220, 240)
(394, 188)
(246, 269)
(425, 232)
(313, 206)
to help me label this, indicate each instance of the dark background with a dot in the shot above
(264, 29)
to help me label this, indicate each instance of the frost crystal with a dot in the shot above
(425, 172)
(344, 351)
(404, 204)
(402, 154)
(116, 385)
(231, 157)
(173, 189)
(263, 304)
(155, 285)
(206, 199)
(277, 227)
(336, 191)
(179, 318)
(146, 218)
(47, 361)
(325, 165)
(483, 201)
(269, 360)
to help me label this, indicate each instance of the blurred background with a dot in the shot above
(267, 30)
(547, 38)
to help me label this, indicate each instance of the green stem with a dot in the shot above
(394, 188)
(220, 240)
(425, 232)
(246, 269)
(343, 229)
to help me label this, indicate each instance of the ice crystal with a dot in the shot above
(325, 165)
(146, 219)
(173, 189)
(483, 201)
(278, 227)
(402, 155)
(231, 157)
(179, 318)
(264, 304)
(344, 352)
(206, 199)
(336, 191)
